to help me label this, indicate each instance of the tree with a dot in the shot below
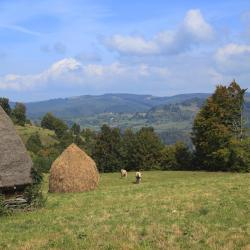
(146, 151)
(53, 123)
(34, 143)
(19, 114)
(76, 129)
(176, 157)
(4, 103)
(89, 140)
(218, 122)
(183, 156)
(168, 159)
(107, 149)
(240, 155)
(128, 150)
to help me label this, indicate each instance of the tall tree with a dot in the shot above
(146, 151)
(19, 114)
(128, 149)
(218, 122)
(89, 139)
(107, 149)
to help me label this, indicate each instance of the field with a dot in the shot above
(47, 136)
(168, 210)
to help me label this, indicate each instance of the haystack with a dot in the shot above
(73, 171)
(15, 163)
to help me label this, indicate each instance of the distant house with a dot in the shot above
(15, 163)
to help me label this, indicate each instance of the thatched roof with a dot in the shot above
(15, 163)
(73, 171)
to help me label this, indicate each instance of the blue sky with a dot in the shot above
(59, 48)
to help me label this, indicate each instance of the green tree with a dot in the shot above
(107, 149)
(168, 159)
(89, 140)
(4, 103)
(176, 157)
(53, 123)
(146, 151)
(183, 156)
(19, 114)
(240, 155)
(76, 129)
(34, 143)
(128, 150)
(218, 122)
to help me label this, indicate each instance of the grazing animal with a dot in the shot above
(138, 176)
(124, 173)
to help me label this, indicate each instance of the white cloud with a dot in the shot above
(70, 72)
(135, 44)
(195, 25)
(233, 58)
(194, 30)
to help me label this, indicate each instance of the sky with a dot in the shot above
(63, 48)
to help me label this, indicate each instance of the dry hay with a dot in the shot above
(15, 162)
(73, 171)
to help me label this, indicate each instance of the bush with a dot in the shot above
(34, 196)
(3, 209)
(34, 143)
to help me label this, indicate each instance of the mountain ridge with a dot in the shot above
(86, 105)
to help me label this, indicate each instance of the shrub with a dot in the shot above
(3, 209)
(34, 143)
(34, 196)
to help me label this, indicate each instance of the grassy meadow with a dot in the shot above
(47, 136)
(168, 210)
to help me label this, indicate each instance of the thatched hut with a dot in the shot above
(73, 171)
(15, 163)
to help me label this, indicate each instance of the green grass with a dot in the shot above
(47, 136)
(168, 210)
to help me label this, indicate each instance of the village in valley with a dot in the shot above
(118, 170)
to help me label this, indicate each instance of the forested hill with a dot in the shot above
(171, 117)
(87, 105)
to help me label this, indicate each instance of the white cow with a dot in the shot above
(124, 173)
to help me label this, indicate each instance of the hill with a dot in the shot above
(47, 136)
(172, 122)
(168, 210)
(87, 105)
(172, 117)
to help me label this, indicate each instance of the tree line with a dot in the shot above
(220, 141)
